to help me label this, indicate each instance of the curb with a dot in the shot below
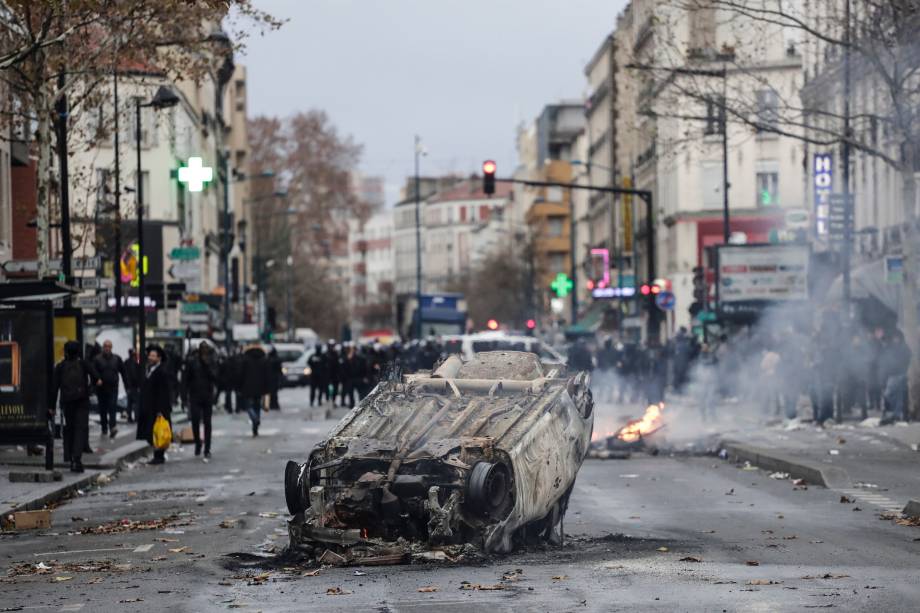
(830, 477)
(912, 509)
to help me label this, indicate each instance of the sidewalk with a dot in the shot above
(876, 463)
(107, 457)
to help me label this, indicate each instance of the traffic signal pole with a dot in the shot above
(654, 322)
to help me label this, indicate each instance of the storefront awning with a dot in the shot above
(34, 291)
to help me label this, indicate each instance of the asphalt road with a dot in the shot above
(684, 533)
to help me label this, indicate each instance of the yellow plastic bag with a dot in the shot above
(162, 433)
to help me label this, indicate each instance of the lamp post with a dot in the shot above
(419, 151)
(164, 98)
(241, 233)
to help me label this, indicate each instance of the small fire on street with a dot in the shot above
(636, 429)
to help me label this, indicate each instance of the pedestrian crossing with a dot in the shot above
(883, 502)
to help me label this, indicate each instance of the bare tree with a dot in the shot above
(55, 48)
(314, 165)
(870, 43)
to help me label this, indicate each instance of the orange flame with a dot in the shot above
(637, 428)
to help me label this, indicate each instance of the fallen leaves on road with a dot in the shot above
(691, 559)
(166, 540)
(899, 519)
(311, 573)
(560, 577)
(53, 566)
(790, 537)
(179, 549)
(229, 523)
(130, 525)
(336, 591)
(62, 578)
(428, 589)
(466, 585)
(846, 500)
(763, 582)
(752, 563)
(513, 575)
(259, 579)
(826, 576)
(129, 600)
(159, 558)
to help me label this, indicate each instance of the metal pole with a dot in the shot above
(245, 282)
(116, 261)
(573, 267)
(290, 310)
(141, 294)
(225, 245)
(66, 245)
(418, 246)
(650, 248)
(726, 221)
(847, 205)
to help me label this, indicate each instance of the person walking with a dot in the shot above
(275, 375)
(155, 399)
(254, 383)
(319, 381)
(72, 380)
(108, 368)
(134, 376)
(199, 388)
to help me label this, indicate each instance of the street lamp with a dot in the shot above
(419, 151)
(164, 98)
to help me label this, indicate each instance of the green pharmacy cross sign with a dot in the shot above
(562, 285)
(195, 175)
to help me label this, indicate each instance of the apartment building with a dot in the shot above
(669, 132)
(372, 292)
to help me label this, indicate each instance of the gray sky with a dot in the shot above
(460, 73)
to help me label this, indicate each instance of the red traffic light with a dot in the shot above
(489, 167)
(656, 289)
(492, 324)
(646, 289)
(531, 324)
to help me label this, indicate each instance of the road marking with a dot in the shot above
(143, 548)
(64, 553)
(72, 607)
(877, 500)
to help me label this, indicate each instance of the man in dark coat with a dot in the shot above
(72, 379)
(134, 376)
(109, 368)
(319, 379)
(254, 383)
(155, 399)
(276, 374)
(199, 386)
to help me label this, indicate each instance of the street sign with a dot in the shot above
(195, 307)
(188, 318)
(88, 282)
(185, 269)
(185, 253)
(91, 263)
(665, 301)
(88, 302)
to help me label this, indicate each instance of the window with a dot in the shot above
(555, 226)
(767, 109)
(557, 263)
(767, 188)
(105, 199)
(715, 117)
(711, 184)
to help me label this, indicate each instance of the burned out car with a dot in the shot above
(480, 453)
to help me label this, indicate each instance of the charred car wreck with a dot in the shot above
(481, 453)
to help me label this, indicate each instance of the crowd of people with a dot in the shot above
(841, 371)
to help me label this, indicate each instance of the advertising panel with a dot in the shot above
(25, 371)
(751, 277)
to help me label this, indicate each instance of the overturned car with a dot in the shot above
(479, 453)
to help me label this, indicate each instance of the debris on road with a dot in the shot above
(779, 475)
(691, 559)
(336, 591)
(752, 563)
(428, 589)
(130, 525)
(466, 585)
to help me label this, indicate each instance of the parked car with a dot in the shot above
(446, 458)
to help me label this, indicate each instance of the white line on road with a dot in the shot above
(143, 548)
(64, 553)
(72, 607)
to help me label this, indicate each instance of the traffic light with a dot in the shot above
(531, 324)
(646, 289)
(492, 324)
(488, 177)
(699, 285)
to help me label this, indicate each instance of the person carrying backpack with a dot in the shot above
(73, 377)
